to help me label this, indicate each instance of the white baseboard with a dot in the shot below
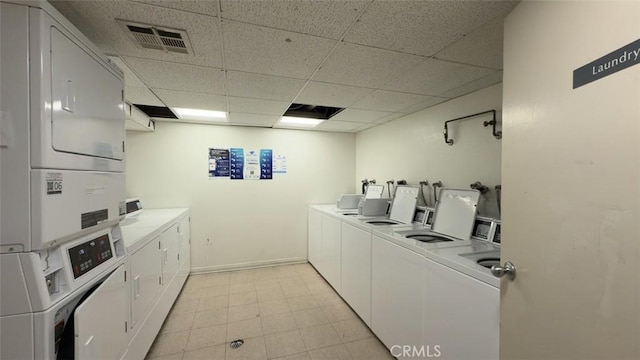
(247, 265)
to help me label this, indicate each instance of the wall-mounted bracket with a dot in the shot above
(493, 122)
(496, 133)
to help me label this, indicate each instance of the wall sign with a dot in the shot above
(237, 163)
(251, 164)
(266, 164)
(613, 62)
(218, 163)
(280, 164)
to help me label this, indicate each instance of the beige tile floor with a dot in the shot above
(281, 312)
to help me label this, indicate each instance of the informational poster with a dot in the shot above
(266, 164)
(280, 164)
(237, 163)
(218, 163)
(251, 164)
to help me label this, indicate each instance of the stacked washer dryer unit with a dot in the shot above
(63, 284)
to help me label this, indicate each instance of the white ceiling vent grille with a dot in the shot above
(157, 37)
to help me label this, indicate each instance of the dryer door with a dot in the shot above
(100, 321)
(88, 113)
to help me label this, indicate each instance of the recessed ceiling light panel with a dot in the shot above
(200, 114)
(299, 121)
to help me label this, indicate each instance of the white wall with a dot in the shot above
(240, 222)
(413, 147)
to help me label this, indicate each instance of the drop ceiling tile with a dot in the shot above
(257, 106)
(481, 47)
(409, 26)
(363, 66)
(491, 79)
(79, 20)
(362, 116)
(130, 79)
(192, 100)
(335, 125)
(324, 18)
(433, 77)
(389, 117)
(383, 100)
(365, 127)
(258, 86)
(326, 94)
(236, 118)
(141, 95)
(273, 52)
(174, 76)
(201, 7)
(202, 30)
(432, 100)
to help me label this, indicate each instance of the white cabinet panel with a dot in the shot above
(397, 294)
(461, 314)
(184, 249)
(146, 273)
(331, 249)
(356, 270)
(170, 244)
(86, 119)
(314, 238)
(100, 321)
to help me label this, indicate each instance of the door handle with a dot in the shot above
(508, 269)
(69, 99)
(136, 287)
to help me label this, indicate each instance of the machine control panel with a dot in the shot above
(90, 254)
(428, 221)
(496, 236)
(482, 229)
(418, 216)
(133, 206)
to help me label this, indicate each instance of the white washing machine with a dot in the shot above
(67, 302)
(63, 286)
(402, 209)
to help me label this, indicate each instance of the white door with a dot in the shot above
(184, 250)
(170, 261)
(100, 321)
(88, 112)
(571, 184)
(146, 276)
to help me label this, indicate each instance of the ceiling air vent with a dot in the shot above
(312, 111)
(157, 37)
(156, 112)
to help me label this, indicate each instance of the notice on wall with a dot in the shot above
(218, 163)
(266, 164)
(236, 157)
(280, 164)
(251, 164)
(613, 62)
